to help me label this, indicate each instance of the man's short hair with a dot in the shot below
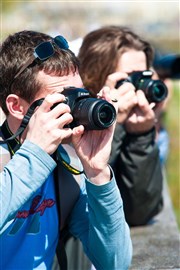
(15, 51)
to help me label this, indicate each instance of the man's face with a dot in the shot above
(132, 60)
(54, 84)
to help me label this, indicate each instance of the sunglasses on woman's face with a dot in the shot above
(44, 51)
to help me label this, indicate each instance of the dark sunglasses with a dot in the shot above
(44, 51)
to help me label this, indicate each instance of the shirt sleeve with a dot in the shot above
(98, 221)
(21, 177)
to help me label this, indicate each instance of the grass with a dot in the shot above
(173, 163)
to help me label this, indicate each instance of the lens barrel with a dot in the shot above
(93, 113)
(154, 90)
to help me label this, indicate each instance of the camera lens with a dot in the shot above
(157, 91)
(93, 113)
(103, 114)
(154, 90)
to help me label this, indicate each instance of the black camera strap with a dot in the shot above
(10, 138)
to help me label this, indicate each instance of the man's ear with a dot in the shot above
(17, 106)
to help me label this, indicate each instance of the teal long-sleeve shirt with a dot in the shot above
(97, 218)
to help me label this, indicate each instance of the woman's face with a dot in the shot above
(132, 60)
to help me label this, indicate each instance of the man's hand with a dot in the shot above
(46, 126)
(93, 148)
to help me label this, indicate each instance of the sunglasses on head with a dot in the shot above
(44, 51)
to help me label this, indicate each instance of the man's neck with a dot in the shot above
(13, 125)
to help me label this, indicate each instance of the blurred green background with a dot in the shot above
(158, 22)
(173, 162)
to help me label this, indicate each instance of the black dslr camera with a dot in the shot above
(154, 90)
(92, 113)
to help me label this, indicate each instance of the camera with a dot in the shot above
(92, 113)
(154, 90)
(167, 66)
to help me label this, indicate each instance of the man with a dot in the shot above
(109, 55)
(36, 67)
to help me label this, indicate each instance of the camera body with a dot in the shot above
(92, 113)
(154, 90)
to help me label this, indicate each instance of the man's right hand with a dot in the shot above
(46, 126)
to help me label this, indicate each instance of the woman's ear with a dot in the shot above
(17, 106)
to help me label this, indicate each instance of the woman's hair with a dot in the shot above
(15, 52)
(100, 52)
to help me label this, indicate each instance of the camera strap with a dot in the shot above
(66, 163)
(13, 143)
(9, 137)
